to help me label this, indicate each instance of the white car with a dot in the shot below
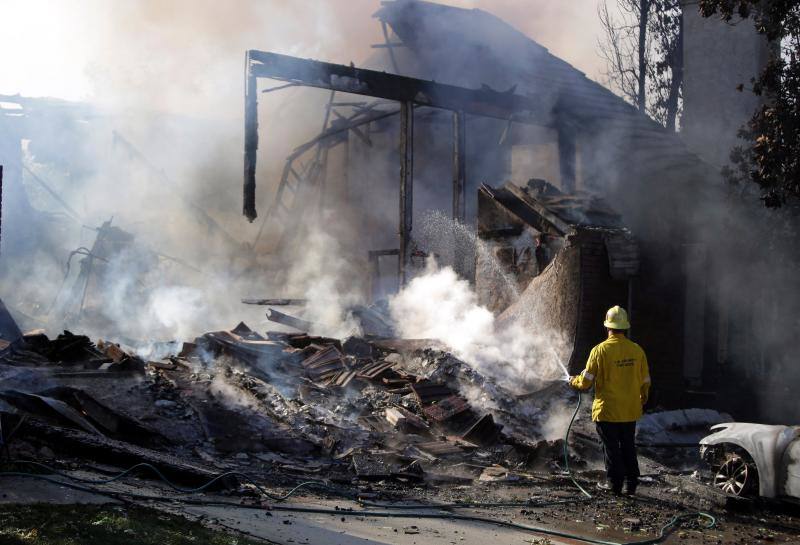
(754, 459)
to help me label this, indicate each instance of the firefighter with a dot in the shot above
(617, 368)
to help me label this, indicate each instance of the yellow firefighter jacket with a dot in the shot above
(618, 369)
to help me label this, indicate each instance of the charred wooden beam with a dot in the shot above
(555, 222)
(285, 319)
(250, 140)
(1, 201)
(519, 203)
(321, 179)
(380, 253)
(279, 88)
(459, 166)
(70, 211)
(485, 102)
(567, 158)
(111, 451)
(276, 302)
(339, 129)
(358, 132)
(349, 79)
(459, 184)
(406, 186)
(389, 46)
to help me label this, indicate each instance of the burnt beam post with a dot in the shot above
(459, 165)
(484, 102)
(459, 184)
(1, 201)
(361, 81)
(250, 140)
(406, 187)
(567, 158)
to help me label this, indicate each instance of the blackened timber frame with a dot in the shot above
(409, 92)
(1, 202)
(250, 142)
(406, 186)
(459, 165)
(484, 102)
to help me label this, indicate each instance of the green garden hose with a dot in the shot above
(566, 449)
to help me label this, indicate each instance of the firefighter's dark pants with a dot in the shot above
(619, 449)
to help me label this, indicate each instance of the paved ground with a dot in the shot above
(289, 528)
(26, 491)
(603, 518)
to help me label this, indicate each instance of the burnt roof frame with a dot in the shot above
(483, 102)
(527, 209)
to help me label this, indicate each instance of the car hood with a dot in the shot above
(764, 443)
(737, 432)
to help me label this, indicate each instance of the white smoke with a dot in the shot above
(174, 307)
(439, 305)
(327, 279)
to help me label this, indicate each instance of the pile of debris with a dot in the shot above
(391, 408)
(68, 350)
(363, 408)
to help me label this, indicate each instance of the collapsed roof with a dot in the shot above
(447, 57)
(635, 161)
(445, 39)
(544, 207)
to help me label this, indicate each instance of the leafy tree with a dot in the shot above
(643, 49)
(666, 68)
(770, 156)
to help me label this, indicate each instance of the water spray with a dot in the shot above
(566, 375)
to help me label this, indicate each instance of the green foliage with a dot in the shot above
(665, 70)
(770, 156)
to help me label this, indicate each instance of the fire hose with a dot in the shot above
(711, 521)
(664, 531)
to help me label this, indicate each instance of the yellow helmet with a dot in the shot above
(617, 318)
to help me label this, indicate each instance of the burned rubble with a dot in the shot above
(367, 408)
(365, 416)
(359, 401)
(414, 306)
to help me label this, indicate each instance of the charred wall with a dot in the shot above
(657, 319)
(550, 305)
(597, 293)
(498, 281)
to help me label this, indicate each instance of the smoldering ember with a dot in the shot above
(490, 278)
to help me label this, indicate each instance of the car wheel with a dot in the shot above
(737, 475)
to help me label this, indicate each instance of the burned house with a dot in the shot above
(49, 130)
(439, 258)
(590, 261)
(480, 103)
(78, 249)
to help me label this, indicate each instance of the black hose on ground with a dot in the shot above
(664, 531)
(163, 478)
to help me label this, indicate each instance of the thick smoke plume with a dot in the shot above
(438, 304)
(168, 78)
(321, 273)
